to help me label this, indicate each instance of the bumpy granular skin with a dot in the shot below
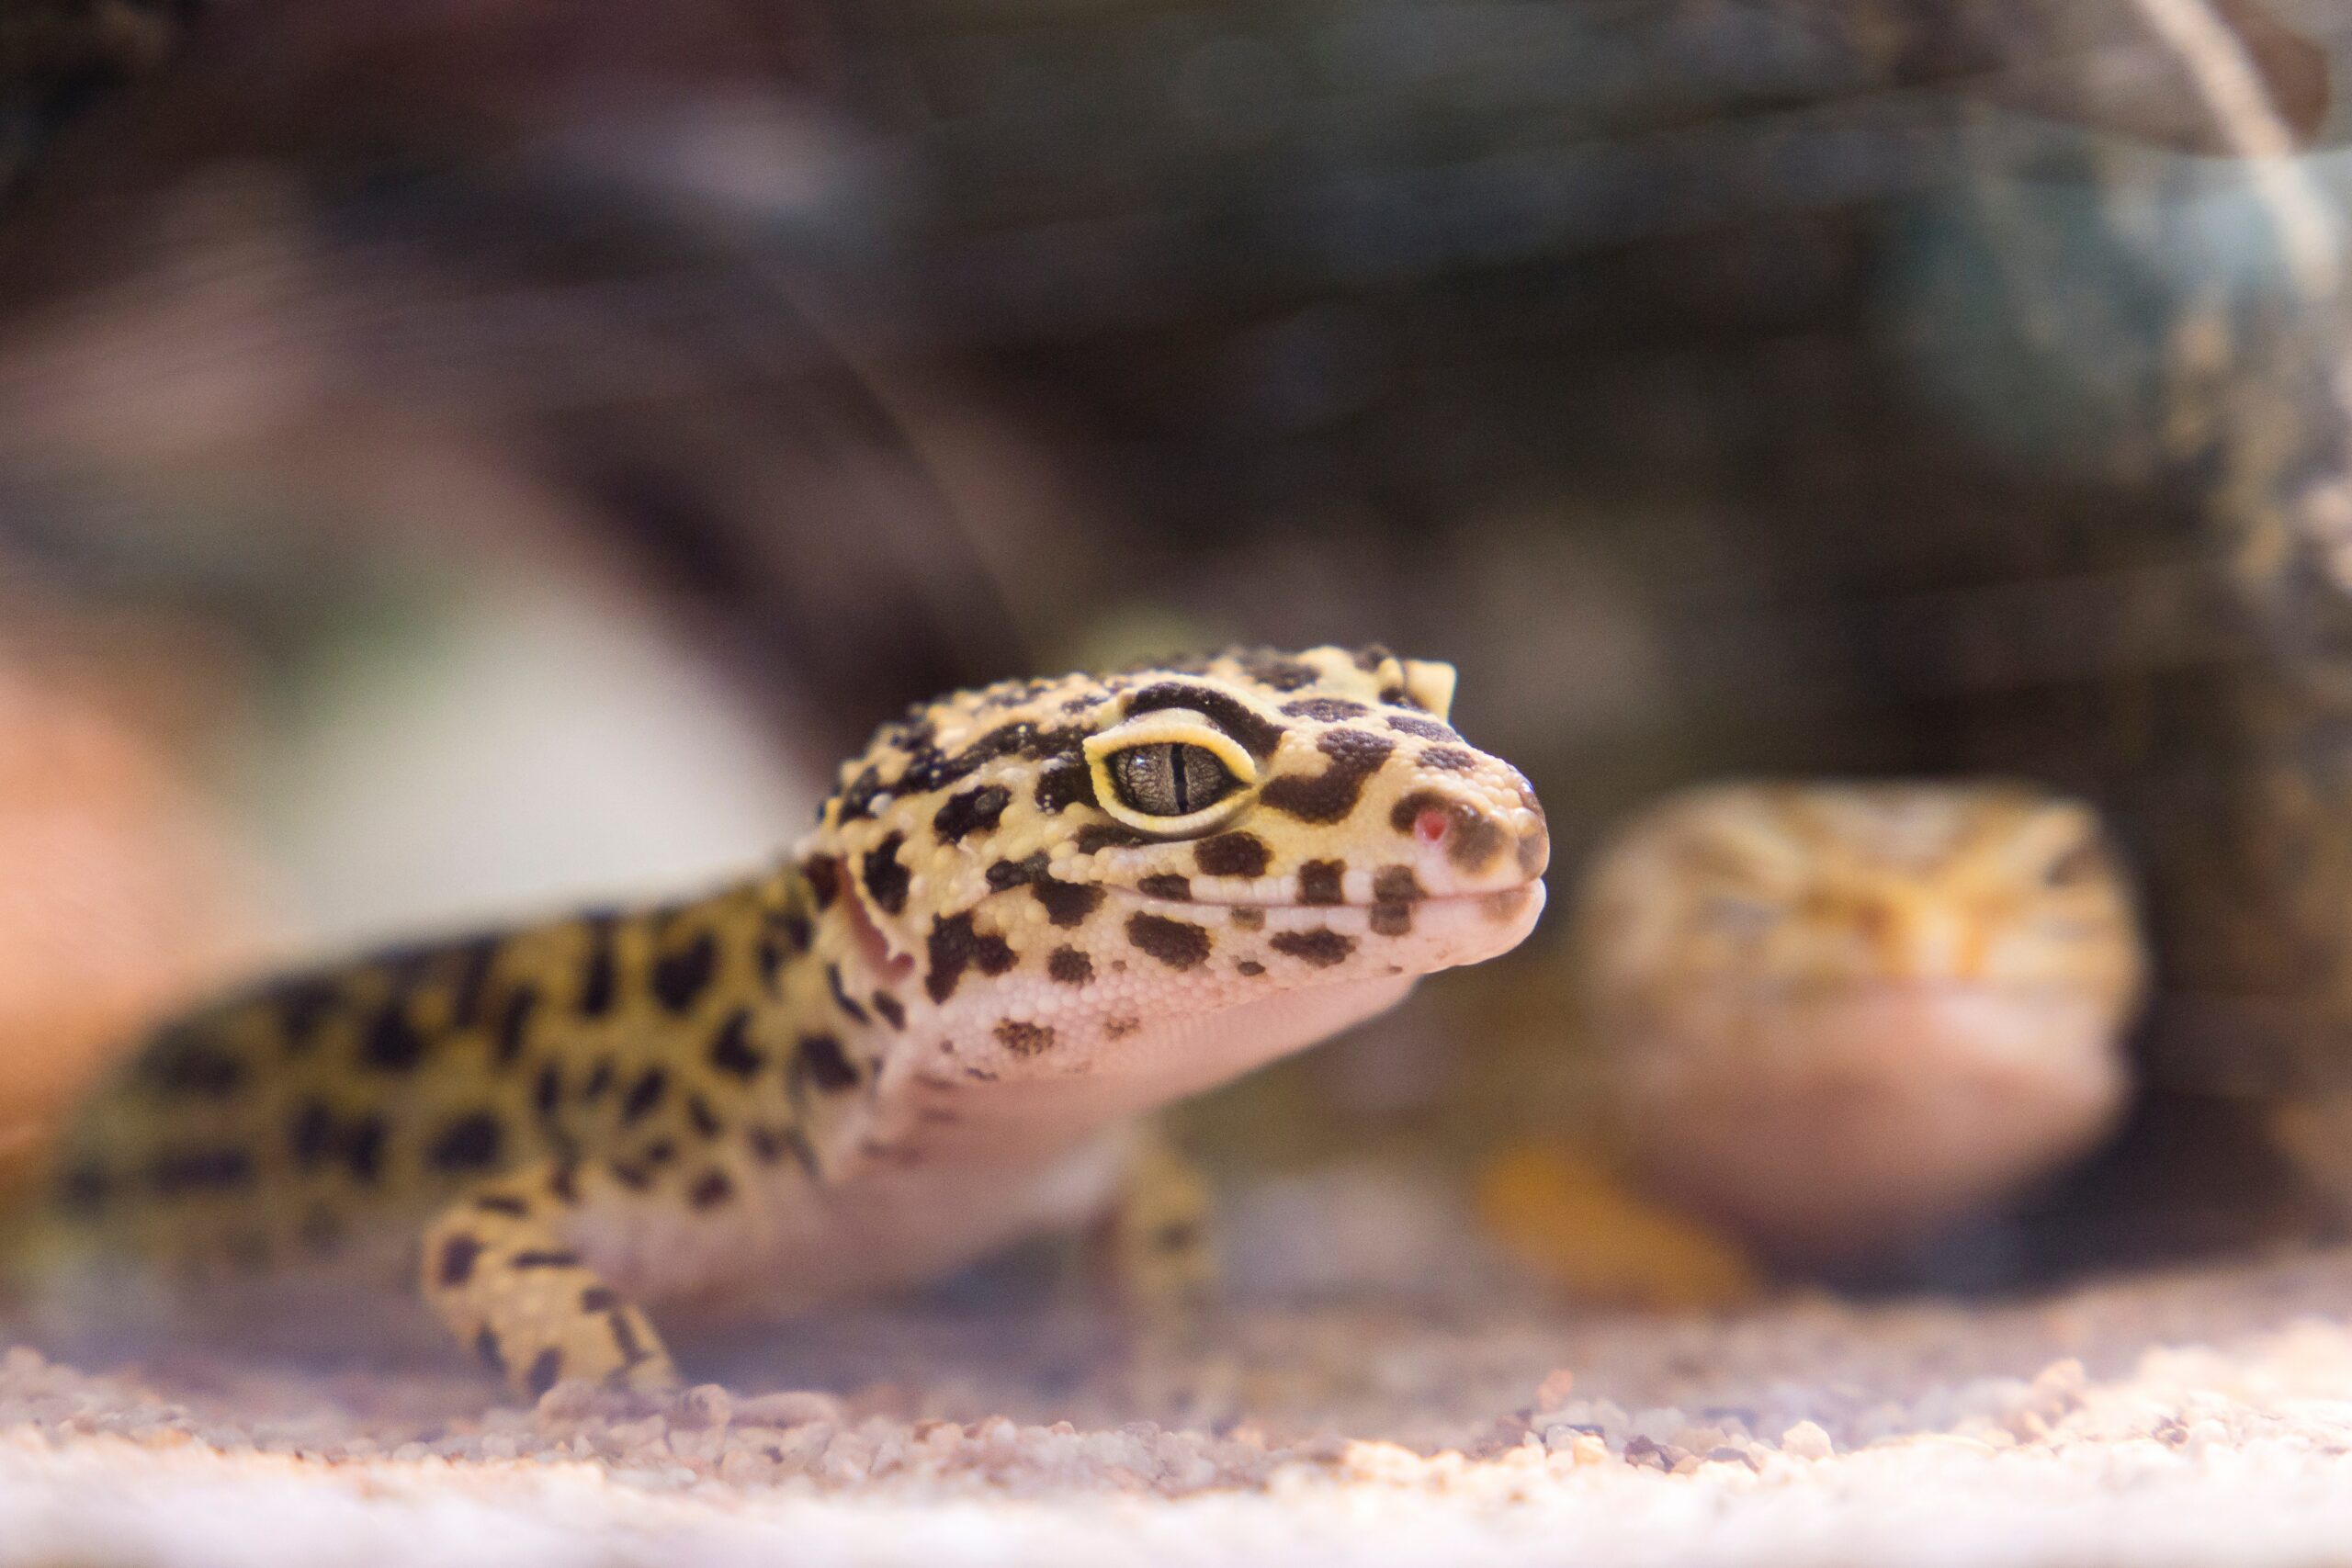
(1026, 914)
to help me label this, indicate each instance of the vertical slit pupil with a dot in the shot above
(1176, 777)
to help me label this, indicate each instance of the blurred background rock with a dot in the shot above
(569, 426)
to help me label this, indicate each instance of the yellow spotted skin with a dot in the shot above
(1027, 915)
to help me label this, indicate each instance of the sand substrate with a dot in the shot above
(2201, 1417)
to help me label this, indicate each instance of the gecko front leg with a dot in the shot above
(498, 1269)
(1156, 1247)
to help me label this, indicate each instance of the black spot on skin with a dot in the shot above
(1473, 838)
(770, 1145)
(1397, 696)
(1176, 944)
(1097, 836)
(625, 1339)
(1232, 855)
(302, 1006)
(1318, 881)
(470, 1143)
(731, 1050)
(1064, 783)
(824, 874)
(1251, 968)
(84, 1190)
(680, 977)
(598, 1298)
(823, 1062)
(1246, 920)
(600, 972)
(1270, 669)
(1475, 843)
(514, 1025)
(547, 1089)
(392, 1044)
(1355, 755)
(710, 1190)
(797, 931)
(660, 1152)
(502, 1204)
(1391, 919)
(1372, 656)
(1320, 948)
(857, 796)
(1068, 904)
(456, 1259)
(363, 1148)
(477, 957)
(201, 1170)
(1023, 1038)
(1006, 875)
(974, 811)
(486, 1348)
(644, 1095)
(546, 1368)
(1069, 966)
(1326, 710)
(891, 1011)
(842, 999)
(704, 1119)
(1245, 724)
(1420, 728)
(1120, 1028)
(1166, 886)
(600, 1078)
(543, 1258)
(956, 944)
(636, 1178)
(930, 771)
(564, 1185)
(1396, 885)
(185, 1064)
(310, 1137)
(885, 879)
(1449, 759)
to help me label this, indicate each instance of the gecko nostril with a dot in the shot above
(1430, 826)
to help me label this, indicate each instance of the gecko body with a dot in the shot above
(1026, 916)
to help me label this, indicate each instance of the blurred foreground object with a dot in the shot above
(1840, 1014)
(121, 897)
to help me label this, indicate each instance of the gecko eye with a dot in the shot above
(1169, 774)
(2084, 862)
(1170, 780)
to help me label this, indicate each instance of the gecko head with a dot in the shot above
(1840, 1011)
(1062, 871)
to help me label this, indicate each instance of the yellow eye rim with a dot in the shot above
(1170, 727)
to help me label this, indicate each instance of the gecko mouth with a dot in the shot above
(1146, 894)
(1465, 926)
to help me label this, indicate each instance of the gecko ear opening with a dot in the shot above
(890, 960)
(1430, 683)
